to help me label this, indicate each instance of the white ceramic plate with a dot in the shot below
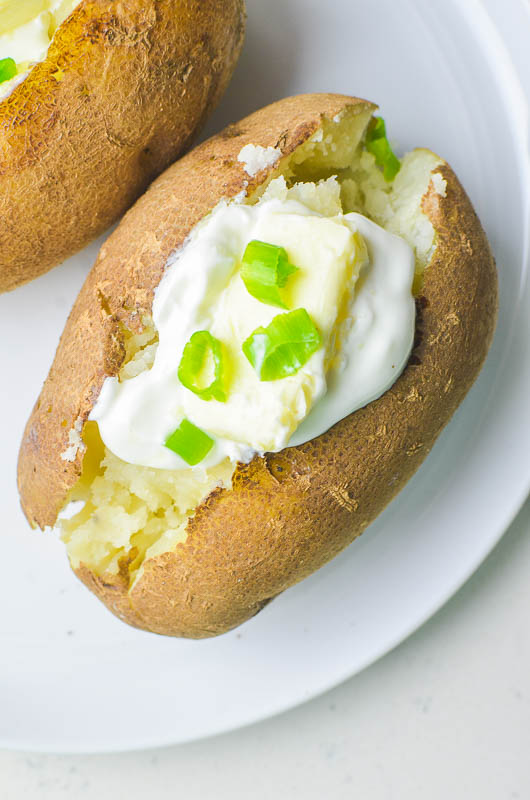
(73, 678)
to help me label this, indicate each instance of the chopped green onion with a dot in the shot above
(201, 350)
(376, 129)
(377, 144)
(284, 346)
(189, 442)
(264, 271)
(8, 69)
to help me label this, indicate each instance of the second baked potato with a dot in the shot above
(118, 93)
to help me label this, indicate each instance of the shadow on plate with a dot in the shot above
(266, 67)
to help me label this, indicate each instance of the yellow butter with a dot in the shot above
(264, 414)
(27, 28)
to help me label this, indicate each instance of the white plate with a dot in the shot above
(73, 678)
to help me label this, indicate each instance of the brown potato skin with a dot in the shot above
(123, 91)
(287, 513)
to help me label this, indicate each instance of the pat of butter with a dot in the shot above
(263, 414)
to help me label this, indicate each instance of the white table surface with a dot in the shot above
(444, 716)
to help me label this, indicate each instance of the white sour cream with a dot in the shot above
(381, 336)
(29, 42)
(135, 416)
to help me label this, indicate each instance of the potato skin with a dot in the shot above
(287, 513)
(122, 93)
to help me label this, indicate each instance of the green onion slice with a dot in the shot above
(202, 351)
(8, 69)
(189, 442)
(284, 346)
(265, 269)
(377, 144)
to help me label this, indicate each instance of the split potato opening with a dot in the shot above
(133, 513)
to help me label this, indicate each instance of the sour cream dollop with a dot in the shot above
(354, 280)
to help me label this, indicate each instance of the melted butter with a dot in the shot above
(26, 30)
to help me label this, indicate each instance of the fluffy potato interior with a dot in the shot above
(132, 513)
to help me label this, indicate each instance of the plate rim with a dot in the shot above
(428, 611)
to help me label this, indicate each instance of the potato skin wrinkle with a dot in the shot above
(287, 513)
(123, 91)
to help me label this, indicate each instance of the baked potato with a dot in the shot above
(196, 552)
(117, 93)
